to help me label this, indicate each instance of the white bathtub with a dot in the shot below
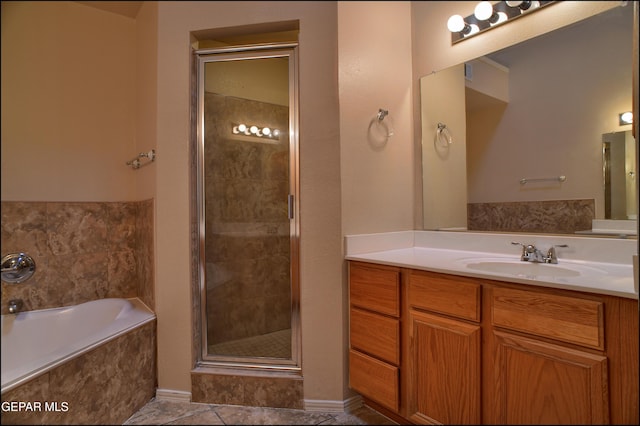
(35, 342)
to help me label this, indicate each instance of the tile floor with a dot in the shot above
(163, 412)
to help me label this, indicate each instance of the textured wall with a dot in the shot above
(83, 251)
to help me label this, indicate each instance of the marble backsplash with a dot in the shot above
(555, 216)
(83, 251)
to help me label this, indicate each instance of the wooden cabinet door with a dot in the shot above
(444, 375)
(538, 382)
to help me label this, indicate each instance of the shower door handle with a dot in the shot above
(290, 207)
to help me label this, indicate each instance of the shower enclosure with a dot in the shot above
(247, 208)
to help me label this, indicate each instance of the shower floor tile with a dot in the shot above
(275, 345)
(163, 412)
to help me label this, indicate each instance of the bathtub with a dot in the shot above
(35, 342)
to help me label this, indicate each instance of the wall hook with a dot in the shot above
(382, 113)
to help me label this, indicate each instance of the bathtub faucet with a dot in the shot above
(15, 305)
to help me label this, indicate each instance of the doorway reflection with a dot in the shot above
(619, 169)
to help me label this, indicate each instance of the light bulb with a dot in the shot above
(502, 17)
(242, 128)
(266, 131)
(626, 118)
(456, 23)
(253, 129)
(276, 132)
(523, 5)
(483, 11)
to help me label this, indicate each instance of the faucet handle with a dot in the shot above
(527, 249)
(551, 254)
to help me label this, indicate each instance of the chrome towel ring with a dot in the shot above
(443, 135)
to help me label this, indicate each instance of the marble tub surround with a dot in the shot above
(552, 216)
(83, 251)
(104, 386)
(444, 251)
(163, 412)
(259, 390)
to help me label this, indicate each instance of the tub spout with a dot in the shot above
(15, 305)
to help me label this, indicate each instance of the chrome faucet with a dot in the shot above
(15, 305)
(551, 254)
(531, 253)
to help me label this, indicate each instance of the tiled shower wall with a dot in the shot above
(247, 225)
(83, 251)
(556, 216)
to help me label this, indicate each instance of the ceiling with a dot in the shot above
(124, 8)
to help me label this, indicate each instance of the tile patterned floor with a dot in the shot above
(163, 412)
(274, 345)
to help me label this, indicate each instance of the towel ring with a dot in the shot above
(443, 135)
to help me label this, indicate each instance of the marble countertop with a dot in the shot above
(596, 265)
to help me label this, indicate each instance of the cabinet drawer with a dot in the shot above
(569, 319)
(374, 379)
(375, 288)
(376, 335)
(451, 295)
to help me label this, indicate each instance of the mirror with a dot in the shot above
(513, 141)
(618, 168)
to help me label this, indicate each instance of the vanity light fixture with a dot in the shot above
(484, 12)
(488, 15)
(253, 130)
(457, 24)
(523, 5)
(625, 118)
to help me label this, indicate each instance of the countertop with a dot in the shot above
(595, 265)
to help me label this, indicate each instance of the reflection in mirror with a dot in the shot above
(520, 120)
(618, 167)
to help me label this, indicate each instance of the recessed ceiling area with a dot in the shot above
(124, 8)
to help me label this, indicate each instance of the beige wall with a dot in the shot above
(375, 72)
(68, 103)
(146, 96)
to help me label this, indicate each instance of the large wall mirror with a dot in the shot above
(524, 139)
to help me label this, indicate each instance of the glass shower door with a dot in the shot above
(248, 229)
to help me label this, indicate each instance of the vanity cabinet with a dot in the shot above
(548, 364)
(444, 349)
(435, 348)
(374, 330)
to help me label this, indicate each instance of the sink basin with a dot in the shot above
(529, 269)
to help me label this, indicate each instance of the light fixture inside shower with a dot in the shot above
(255, 131)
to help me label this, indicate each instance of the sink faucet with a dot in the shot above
(531, 253)
(15, 305)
